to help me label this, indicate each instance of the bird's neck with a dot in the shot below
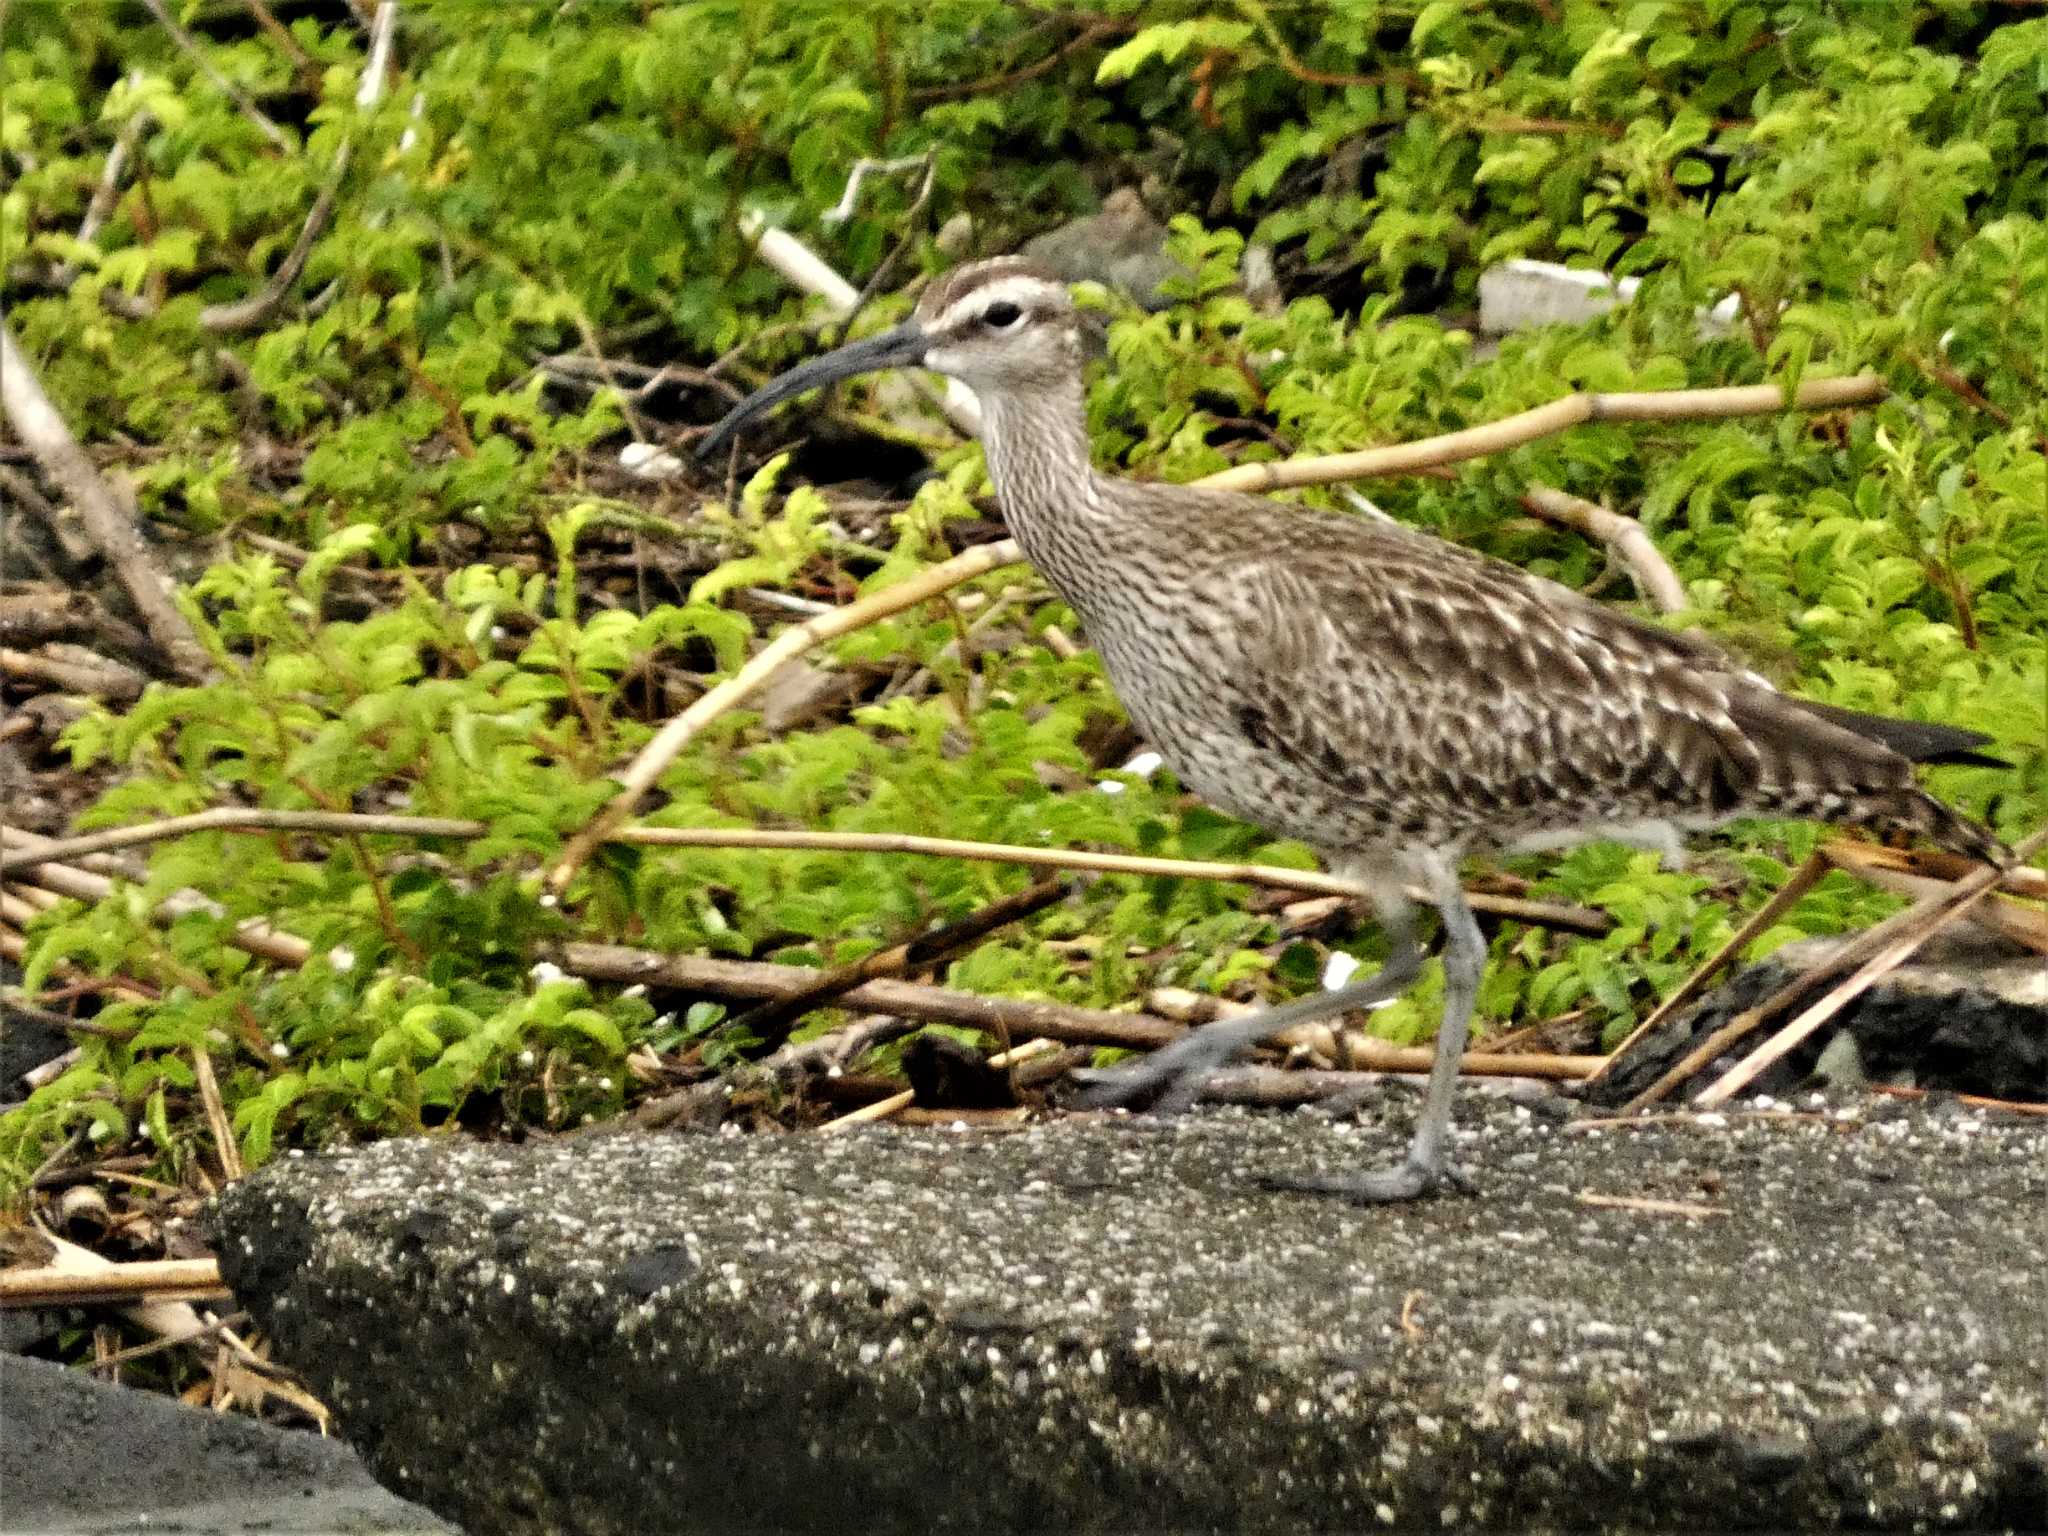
(1037, 451)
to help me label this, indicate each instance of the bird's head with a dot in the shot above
(999, 326)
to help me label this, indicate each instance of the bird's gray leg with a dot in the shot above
(1171, 1078)
(1427, 1165)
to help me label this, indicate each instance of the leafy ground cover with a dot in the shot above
(427, 582)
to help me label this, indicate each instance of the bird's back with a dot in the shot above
(1357, 684)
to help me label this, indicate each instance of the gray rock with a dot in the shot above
(82, 1456)
(1123, 247)
(1969, 1014)
(1108, 1325)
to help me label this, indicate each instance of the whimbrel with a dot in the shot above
(1390, 699)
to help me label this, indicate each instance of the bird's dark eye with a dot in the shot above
(1001, 315)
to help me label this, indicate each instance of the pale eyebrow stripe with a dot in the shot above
(1024, 291)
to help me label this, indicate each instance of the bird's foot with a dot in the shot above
(1406, 1180)
(1167, 1081)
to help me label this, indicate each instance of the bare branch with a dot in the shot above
(36, 419)
(247, 313)
(1022, 1017)
(863, 168)
(669, 742)
(152, 1280)
(41, 851)
(1915, 926)
(1801, 880)
(219, 81)
(1544, 421)
(1623, 535)
(82, 673)
(105, 194)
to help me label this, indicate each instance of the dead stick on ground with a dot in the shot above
(1022, 1017)
(99, 678)
(1974, 1100)
(1062, 1022)
(669, 742)
(1871, 863)
(35, 418)
(1649, 1207)
(1623, 536)
(38, 851)
(106, 193)
(1942, 909)
(1673, 405)
(216, 1114)
(1851, 954)
(1796, 885)
(1544, 421)
(772, 1020)
(155, 1280)
(257, 938)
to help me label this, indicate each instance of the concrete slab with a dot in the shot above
(1107, 1324)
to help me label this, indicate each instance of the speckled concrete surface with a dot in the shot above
(1107, 1325)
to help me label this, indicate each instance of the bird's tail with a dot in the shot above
(1916, 812)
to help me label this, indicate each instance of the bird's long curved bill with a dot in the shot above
(903, 347)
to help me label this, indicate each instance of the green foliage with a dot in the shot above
(1871, 182)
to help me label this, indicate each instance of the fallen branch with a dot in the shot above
(154, 1280)
(668, 743)
(36, 419)
(1922, 921)
(1545, 421)
(1020, 1017)
(1624, 536)
(78, 549)
(1853, 953)
(246, 314)
(99, 677)
(1719, 1120)
(1260, 1087)
(1973, 1100)
(1796, 885)
(1404, 458)
(107, 191)
(1892, 869)
(255, 937)
(771, 1021)
(1543, 914)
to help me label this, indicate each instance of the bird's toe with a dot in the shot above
(1167, 1082)
(1406, 1180)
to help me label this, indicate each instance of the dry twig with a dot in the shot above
(1650, 1207)
(237, 818)
(1545, 421)
(153, 1280)
(896, 1103)
(770, 1021)
(1796, 885)
(220, 82)
(112, 528)
(1624, 536)
(1914, 927)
